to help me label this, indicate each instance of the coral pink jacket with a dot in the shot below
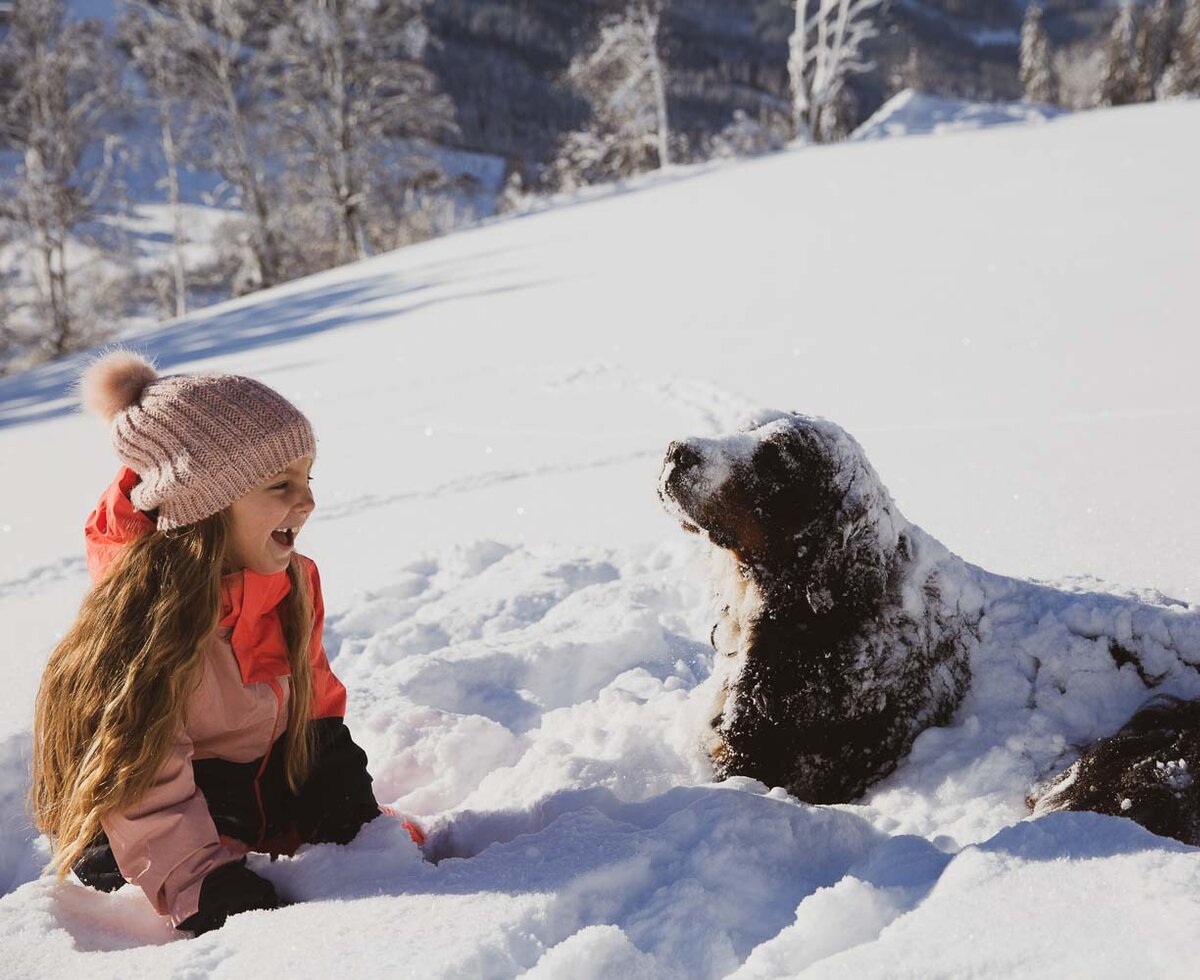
(168, 842)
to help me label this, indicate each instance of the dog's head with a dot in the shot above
(791, 496)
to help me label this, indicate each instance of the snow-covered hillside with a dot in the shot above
(1005, 319)
(913, 113)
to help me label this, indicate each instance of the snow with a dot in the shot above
(913, 113)
(1001, 318)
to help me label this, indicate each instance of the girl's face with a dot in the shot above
(284, 501)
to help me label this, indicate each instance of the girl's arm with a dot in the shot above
(167, 843)
(336, 799)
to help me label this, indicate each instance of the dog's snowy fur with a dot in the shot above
(840, 640)
(845, 631)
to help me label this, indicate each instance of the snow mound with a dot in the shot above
(913, 113)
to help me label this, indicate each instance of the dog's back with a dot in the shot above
(1144, 772)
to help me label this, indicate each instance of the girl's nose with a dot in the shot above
(307, 503)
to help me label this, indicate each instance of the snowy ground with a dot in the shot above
(913, 113)
(1003, 318)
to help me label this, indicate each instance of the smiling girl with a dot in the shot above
(189, 715)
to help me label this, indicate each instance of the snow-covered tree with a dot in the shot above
(1182, 76)
(1153, 47)
(1119, 84)
(11, 340)
(61, 84)
(909, 73)
(1037, 76)
(1079, 68)
(824, 50)
(221, 80)
(623, 79)
(513, 195)
(350, 85)
(746, 136)
(157, 45)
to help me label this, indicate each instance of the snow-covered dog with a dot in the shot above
(845, 631)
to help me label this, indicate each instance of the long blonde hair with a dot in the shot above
(117, 685)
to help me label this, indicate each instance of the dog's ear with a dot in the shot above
(793, 477)
(799, 503)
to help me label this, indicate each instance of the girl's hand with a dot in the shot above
(228, 890)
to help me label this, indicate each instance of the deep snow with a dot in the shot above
(1004, 320)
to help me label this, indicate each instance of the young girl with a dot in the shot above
(190, 715)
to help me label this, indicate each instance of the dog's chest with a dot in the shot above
(739, 603)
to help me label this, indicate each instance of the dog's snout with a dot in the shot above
(683, 456)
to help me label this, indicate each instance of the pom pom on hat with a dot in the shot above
(114, 381)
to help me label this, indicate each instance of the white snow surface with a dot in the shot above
(1004, 319)
(914, 113)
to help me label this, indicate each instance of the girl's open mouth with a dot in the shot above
(284, 538)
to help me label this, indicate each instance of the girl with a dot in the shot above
(190, 715)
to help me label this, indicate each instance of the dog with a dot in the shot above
(845, 632)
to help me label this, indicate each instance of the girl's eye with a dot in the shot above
(282, 486)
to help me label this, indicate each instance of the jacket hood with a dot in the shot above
(114, 523)
(248, 598)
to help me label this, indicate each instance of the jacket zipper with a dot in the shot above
(262, 813)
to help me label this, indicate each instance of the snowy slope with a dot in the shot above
(913, 113)
(1003, 318)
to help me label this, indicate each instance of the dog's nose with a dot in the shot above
(683, 456)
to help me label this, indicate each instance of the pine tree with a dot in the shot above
(1037, 76)
(1153, 48)
(623, 78)
(1182, 76)
(1118, 86)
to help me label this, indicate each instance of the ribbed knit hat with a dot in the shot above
(198, 441)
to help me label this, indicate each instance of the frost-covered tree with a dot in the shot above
(221, 80)
(623, 79)
(1153, 47)
(157, 45)
(60, 85)
(1182, 76)
(1037, 75)
(11, 340)
(1119, 84)
(749, 136)
(824, 50)
(1079, 68)
(350, 86)
(513, 195)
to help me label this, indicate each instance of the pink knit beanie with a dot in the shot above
(198, 441)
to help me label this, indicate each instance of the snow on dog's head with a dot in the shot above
(779, 492)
